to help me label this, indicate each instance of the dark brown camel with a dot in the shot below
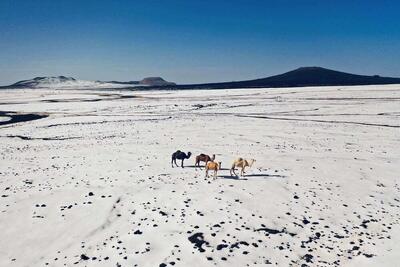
(179, 155)
(205, 158)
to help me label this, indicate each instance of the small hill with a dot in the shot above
(63, 82)
(39, 82)
(60, 82)
(155, 81)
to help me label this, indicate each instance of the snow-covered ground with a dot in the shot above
(86, 177)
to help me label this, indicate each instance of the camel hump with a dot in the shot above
(175, 154)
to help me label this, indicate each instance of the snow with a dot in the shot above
(4, 118)
(92, 183)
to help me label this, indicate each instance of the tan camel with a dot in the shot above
(215, 166)
(241, 163)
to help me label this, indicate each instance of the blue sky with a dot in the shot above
(195, 41)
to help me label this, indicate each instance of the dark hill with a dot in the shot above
(305, 76)
(155, 81)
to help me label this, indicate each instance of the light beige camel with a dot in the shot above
(215, 166)
(241, 163)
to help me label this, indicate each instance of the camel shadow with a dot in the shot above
(188, 166)
(195, 167)
(202, 167)
(231, 177)
(266, 175)
(245, 177)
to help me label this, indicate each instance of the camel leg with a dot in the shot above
(242, 173)
(175, 163)
(172, 162)
(182, 163)
(206, 173)
(215, 174)
(233, 170)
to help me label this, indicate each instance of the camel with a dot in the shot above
(215, 166)
(179, 155)
(241, 163)
(205, 158)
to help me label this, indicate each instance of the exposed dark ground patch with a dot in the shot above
(17, 117)
(27, 138)
(105, 97)
(104, 122)
(323, 121)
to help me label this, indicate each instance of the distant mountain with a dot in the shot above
(305, 76)
(149, 81)
(155, 81)
(44, 81)
(63, 82)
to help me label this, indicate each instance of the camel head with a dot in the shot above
(189, 154)
(219, 165)
(213, 157)
(252, 162)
